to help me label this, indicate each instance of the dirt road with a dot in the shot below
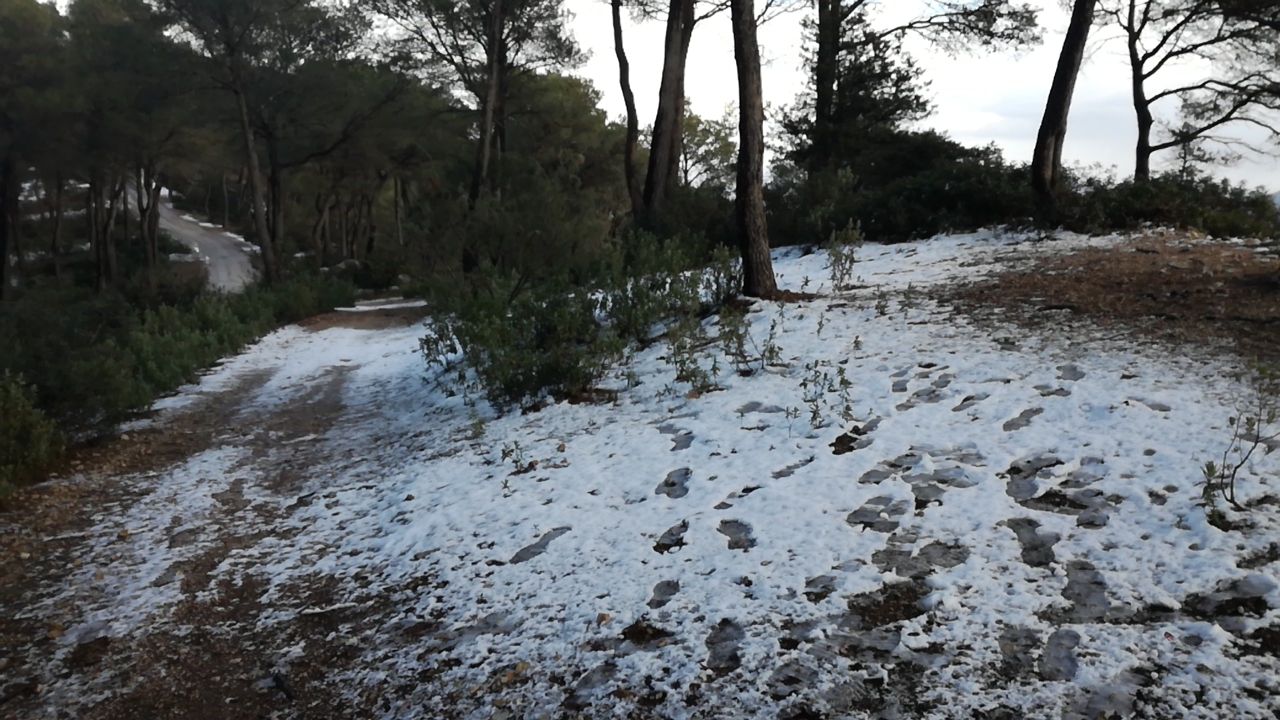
(227, 257)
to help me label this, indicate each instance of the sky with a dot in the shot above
(978, 99)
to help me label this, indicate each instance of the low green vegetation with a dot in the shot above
(76, 361)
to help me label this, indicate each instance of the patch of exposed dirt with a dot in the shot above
(209, 655)
(1162, 285)
(367, 319)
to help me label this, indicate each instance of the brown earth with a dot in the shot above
(1161, 286)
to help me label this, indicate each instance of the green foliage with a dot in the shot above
(842, 250)
(1176, 199)
(518, 338)
(521, 344)
(29, 441)
(97, 358)
(900, 186)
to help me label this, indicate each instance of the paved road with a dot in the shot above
(227, 258)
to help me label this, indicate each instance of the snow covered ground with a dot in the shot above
(979, 524)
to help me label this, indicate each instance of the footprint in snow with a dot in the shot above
(663, 592)
(739, 534)
(682, 438)
(791, 469)
(881, 514)
(672, 539)
(676, 484)
(1022, 420)
(1070, 373)
(1037, 546)
(530, 552)
(1153, 405)
(723, 644)
(969, 401)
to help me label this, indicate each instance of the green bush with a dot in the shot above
(1183, 200)
(96, 358)
(522, 339)
(906, 185)
(546, 340)
(29, 441)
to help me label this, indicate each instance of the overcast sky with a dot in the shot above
(978, 99)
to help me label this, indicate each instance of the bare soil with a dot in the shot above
(1162, 286)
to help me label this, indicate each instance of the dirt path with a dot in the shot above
(227, 258)
(137, 536)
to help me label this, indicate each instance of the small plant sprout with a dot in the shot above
(476, 427)
(513, 452)
(1251, 432)
(842, 249)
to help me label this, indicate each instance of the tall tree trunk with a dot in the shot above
(371, 224)
(488, 105)
(226, 202)
(825, 70)
(634, 191)
(275, 195)
(1141, 105)
(92, 213)
(677, 135)
(255, 182)
(9, 196)
(55, 238)
(147, 189)
(667, 121)
(753, 233)
(1046, 161)
(108, 231)
(397, 189)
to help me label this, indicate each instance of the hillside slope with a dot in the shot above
(978, 522)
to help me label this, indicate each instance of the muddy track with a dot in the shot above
(69, 553)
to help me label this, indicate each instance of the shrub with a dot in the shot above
(29, 441)
(523, 344)
(96, 358)
(1183, 200)
(525, 338)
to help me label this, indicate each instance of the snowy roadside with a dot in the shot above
(1003, 525)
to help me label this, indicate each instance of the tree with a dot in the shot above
(1046, 160)
(879, 86)
(141, 109)
(484, 45)
(1238, 41)
(31, 75)
(841, 27)
(707, 153)
(231, 34)
(634, 190)
(753, 234)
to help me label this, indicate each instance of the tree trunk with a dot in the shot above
(753, 233)
(9, 195)
(55, 239)
(825, 70)
(91, 212)
(488, 106)
(633, 119)
(1141, 105)
(677, 135)
(275, 174)
(226, 201)
(666, 122)
(108, 232)
(372, 226)
(1046, 161)
(397, 189)
(255, 183)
